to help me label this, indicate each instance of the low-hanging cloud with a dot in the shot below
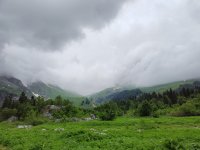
(143, 43)
(50, 24)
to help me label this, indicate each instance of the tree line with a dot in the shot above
(184, 101)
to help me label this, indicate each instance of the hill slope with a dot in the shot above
(163, 87)
(114, 94)
(101, 96)
(50, 91)
(11, 86)
(120, 92)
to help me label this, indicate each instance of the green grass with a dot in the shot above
(123, 133)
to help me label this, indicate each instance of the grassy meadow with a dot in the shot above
(120, 134)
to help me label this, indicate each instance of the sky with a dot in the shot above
(87, 46)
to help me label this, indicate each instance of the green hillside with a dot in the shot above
(100, 96)
(105, 95)
(163, 87)
(50, 91)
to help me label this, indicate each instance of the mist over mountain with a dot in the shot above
(99, 74)
(92, 45)
(50, 91)
(11, 86)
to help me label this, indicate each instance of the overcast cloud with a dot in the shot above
(89, 45)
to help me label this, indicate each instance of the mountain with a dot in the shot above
(50, 91)
(128, 91)
(101, 96)
(115, 93)
(124, 95)
(163, 87)
(14, 87)
(11, 86)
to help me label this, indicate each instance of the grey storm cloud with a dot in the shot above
(137, 42)
(50, 24)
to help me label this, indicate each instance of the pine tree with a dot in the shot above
(7, 102)
(23, 98)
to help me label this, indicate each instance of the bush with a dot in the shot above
(85, 136)
(155, 114)
(33, 119)
(7, 113)
(173, 145)
(145, 109)
(107, 111)
(23, 110)
(37, 147)
(107, 116)
(191, 108)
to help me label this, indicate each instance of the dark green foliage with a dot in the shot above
(8, 103)
(33, 118)
(145, 109)
(33, 101)
(40, 103)
(37, 147)
(23, 98)
(87, 101)
(65, 109)
(190, 108)
(107, 111)
(7, 113)
(23, 110)
(107, 116)
(84, 136)
(58, 101)
(173, 145)
(115, 94)
(160, 101)
(155, 115)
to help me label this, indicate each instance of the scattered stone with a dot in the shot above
(58, 120)
(48, 115)
(87, 119)
(74, 119)
(93, 116)
(24, 126)
(59, 129)
(12, 119)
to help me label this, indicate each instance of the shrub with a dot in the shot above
(7, 113)
(172, 144)
(107, 111)
(190, 108)
(155, 114)
(145, 109)
(107, 116)
(37, 147)
(84, 136)
(33, 119)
